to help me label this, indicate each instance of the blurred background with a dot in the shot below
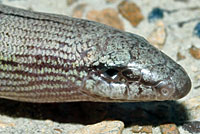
(173, 26)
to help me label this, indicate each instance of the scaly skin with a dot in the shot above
(55, 58)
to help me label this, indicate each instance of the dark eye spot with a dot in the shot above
(111, 72)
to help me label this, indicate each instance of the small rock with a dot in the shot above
(3, 124)
(70, 2)
(195, 52)
(194, 68)
(169, 129)
(180, 56)
(50, 122)
(58, 131)
(197, 77)
(192, 127)
(197, 30)
(155, 14)
(193, 107)
(131, 12)
(191, 103)
(182, 0)
(111, 1)
(79, 10)
(142, 129)
(107, 127)
(107, 16)
(197, 87)
(158, 36)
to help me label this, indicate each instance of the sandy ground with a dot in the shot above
(179, 39)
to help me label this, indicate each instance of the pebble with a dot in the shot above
(158, 36)
(180, 56)
(195, 52)
(192, 127)
(108, 16)
(182, 0)
(79, 10)
(131, 12)
(155, 14)
(71, 2)
(4, 124)
(58, 131)
(197, 30)
(169, 129)
(104, 127)
(197, 77)
(194, 68)
(142, 129)
(193, 107)
(111, 1)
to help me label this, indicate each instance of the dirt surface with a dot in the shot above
(178, 37)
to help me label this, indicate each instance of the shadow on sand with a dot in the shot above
(140, 113)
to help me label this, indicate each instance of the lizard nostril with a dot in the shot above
(165, 90)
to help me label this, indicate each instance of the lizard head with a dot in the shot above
(130, 69)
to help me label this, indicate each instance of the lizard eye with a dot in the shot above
(112, 73)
